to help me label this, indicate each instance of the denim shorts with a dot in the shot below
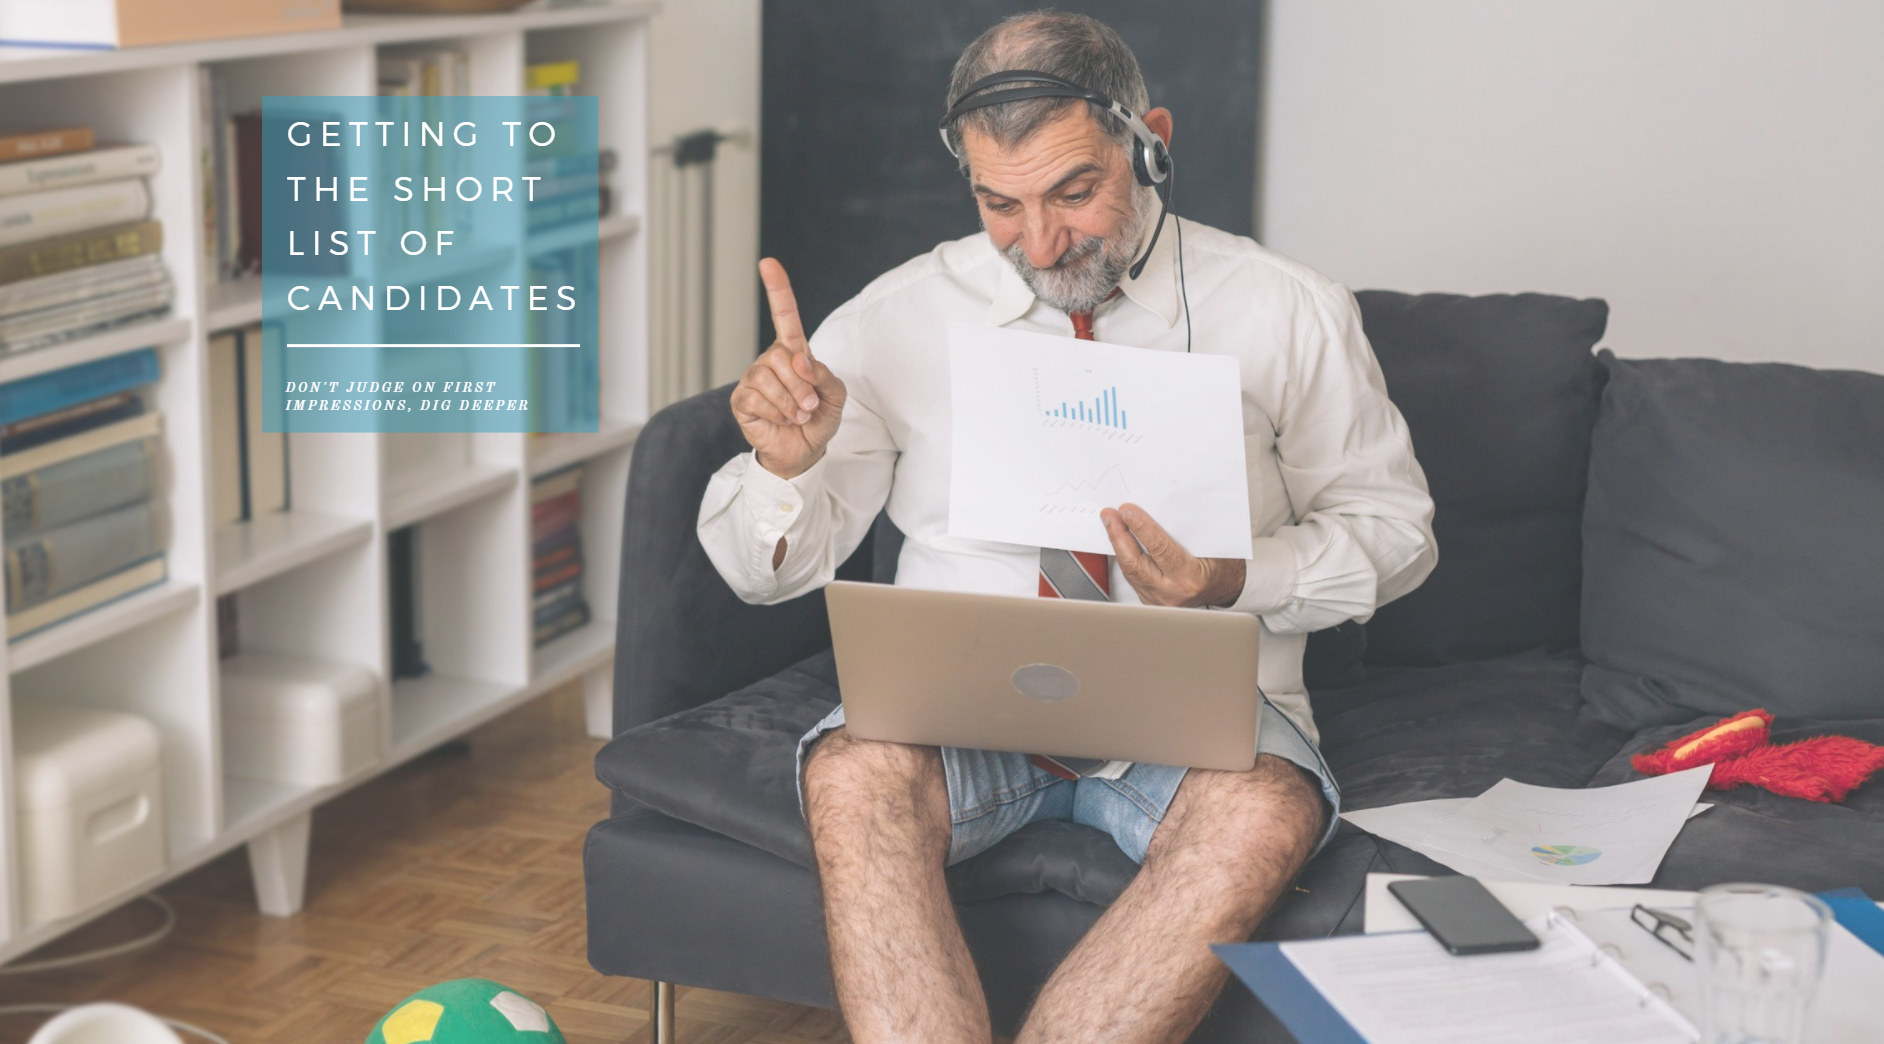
(994, 793)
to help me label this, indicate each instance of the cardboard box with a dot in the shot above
(105, 24)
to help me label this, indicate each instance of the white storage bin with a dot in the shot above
(91, 805)
(297, 720)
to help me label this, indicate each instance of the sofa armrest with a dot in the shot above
(682, 636)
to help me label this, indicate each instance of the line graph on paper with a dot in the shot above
(1079, 400)
(1087, 495)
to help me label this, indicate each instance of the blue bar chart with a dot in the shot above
(1103, 409)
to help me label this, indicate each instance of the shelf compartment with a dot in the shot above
(250, 552)
(557, 451)
(235, 303)
(98, 346)
(106, 621)
(572, 655)
(430, 710)
(456, 488)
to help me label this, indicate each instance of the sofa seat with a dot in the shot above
(1411, 734)
(727, 765)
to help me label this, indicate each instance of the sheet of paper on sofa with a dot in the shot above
(1516, 831)
(1404, 988)
(1049, 430)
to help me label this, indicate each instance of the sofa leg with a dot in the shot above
(663, 1013)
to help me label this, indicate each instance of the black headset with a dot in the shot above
(1151, 160)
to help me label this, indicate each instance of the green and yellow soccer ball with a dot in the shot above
(466, 1011)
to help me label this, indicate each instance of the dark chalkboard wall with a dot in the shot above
(854, 179)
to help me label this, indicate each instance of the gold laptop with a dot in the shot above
(1047, 675)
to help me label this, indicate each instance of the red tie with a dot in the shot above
(1076, 574)
(1073, 574)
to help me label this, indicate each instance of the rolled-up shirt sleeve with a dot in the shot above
(822, 514)
(1363, 534)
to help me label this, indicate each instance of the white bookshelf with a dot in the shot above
(313, 580)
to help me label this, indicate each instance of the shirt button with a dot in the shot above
(784, 507)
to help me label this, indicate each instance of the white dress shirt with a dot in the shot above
(1338, 507)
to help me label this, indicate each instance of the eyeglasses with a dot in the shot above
(1674, 932)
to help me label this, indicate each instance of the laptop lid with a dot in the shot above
(1047, 675)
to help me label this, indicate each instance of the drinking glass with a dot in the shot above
(1760, 950)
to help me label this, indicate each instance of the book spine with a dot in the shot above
(79, 284)
(557, 578)
(555, 595)
(46, 257)
(97, 308)
(79, 488)
(40, 215)
(574, 618)
(33, 396)
(25, 438)
(45, 143)
(49, 564)
(85, 168)
(557, 607)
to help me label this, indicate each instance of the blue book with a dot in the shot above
(43, 393)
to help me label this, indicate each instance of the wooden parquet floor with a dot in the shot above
(465, 862)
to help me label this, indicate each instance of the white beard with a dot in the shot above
(1090, 269)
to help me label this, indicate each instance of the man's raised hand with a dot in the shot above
(788, 404)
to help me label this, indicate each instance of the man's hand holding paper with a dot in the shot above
(1097, 447)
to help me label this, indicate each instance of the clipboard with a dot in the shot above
(1289, 996)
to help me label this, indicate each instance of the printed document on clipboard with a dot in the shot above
(1404, 988)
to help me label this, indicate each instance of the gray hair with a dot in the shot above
(1073, 47)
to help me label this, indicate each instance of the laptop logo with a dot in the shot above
(1044, 681)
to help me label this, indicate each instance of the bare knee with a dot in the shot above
(871, 788)
(1268, 817)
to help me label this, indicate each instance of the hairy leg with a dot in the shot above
(1228, 846)
(879, 818)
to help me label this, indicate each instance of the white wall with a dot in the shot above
(704, 72)
(1713, 168)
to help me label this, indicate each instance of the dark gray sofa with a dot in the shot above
(1627, 549)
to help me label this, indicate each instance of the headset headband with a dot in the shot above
(1151, 162)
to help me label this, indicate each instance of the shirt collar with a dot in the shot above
(1155, 288)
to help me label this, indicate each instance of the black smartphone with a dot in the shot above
(1463, 916)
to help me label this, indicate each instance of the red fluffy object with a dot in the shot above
(1715, 744)
(1823, 768)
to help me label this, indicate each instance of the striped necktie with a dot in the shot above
(1074, 574)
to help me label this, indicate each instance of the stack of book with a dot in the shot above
(77, 254)
(249, 466)
(571, 187)
(78, 478)
(556, 554)
(427, 72)
(565, 385)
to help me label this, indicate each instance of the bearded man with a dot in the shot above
(856, 420)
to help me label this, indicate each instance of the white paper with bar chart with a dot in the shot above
(1050, 430)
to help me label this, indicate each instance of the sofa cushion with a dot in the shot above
(1500, 394)
(1755, 835)
(1732, 551)
(1410, 734)
(728, 765)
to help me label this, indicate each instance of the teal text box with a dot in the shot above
(430, 264)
